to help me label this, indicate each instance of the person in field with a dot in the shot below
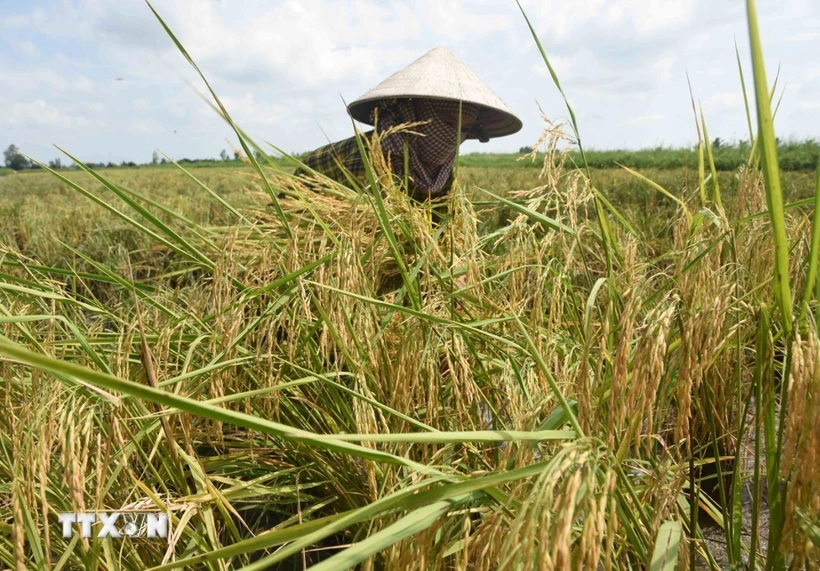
(436, 89)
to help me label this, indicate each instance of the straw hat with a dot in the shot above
(439, 74)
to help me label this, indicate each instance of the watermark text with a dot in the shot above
(116, 525)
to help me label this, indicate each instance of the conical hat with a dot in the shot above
(439, 74)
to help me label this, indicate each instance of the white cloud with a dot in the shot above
(665, 68)
(311, 42)
(639, 18)
(651, 118)
(37, 80)
(725, 99)
(14, 21)
(281, 67)
(653, 17)
(39, 113)
(26, 47)
(144, 126)
(82, 85)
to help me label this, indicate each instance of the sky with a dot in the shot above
(102, 80)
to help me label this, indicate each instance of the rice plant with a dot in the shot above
(334, 376)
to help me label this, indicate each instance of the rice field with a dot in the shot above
(44, 218)
(556, 368)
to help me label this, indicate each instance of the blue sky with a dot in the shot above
(283, 67)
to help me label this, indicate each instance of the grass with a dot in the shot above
(578, 368)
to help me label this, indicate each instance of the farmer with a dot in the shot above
(434, 88)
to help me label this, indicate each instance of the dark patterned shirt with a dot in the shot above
(431, 147)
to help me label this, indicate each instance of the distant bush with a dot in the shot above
(792, 155)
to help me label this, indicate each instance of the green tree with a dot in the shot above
(14, 160)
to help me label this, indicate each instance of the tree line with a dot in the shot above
(792, 155)
(17, 161)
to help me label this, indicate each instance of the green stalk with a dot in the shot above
(701, 169)
(712, 169)
(774, 426)
(761, 352)
(754, 159)
(709, 407)
(813, 252)
(771, 174)
(737, 467)
(455, 437)
(745, 96)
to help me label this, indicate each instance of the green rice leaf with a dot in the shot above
(667, 544)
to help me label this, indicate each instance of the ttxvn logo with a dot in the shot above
(116, 525)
